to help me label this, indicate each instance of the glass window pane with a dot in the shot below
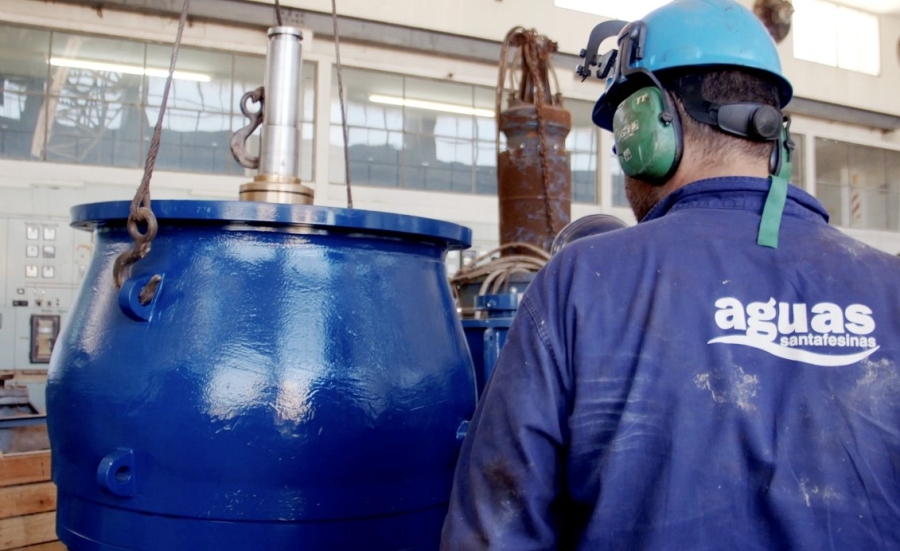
(307, 149)
(815, 31)
(455, 126)
(202, 79)
(101, 97)
(94, 132)
(437, 163)
(858, 41)
(375, 133)
(86, 67)
(418, 121)
(485, 124)
(582, 143)
(837, 36)
(192, 141)
(431, 101)
(21, 125)
(249, 74)
(374, 156)
(867, 187)
(23, 60)
(830, 197)
(858, 184)
(359, 87)
(419, 150)
(797, 160)
(308, 107)
(486, 168)
(832, 161)
(866, 167)
(486, 180)
(892, 199)
(584, 180)
(308, 128)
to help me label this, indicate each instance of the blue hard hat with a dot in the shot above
(694, 33)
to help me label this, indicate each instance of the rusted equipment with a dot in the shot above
(534, 178)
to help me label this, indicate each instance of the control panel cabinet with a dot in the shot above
(42, 263)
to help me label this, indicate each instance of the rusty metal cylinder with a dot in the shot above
(527, 213)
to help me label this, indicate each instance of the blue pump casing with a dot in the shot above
(486, 336)
(298, 381)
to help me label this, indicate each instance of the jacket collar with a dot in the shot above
(736, 193)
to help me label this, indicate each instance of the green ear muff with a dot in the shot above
(648, 138)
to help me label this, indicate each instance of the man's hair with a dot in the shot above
(723, 86)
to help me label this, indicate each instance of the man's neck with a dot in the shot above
(690, 172)
(642, 196)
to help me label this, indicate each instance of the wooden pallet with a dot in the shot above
(27, 503)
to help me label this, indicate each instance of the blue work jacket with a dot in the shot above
(674, 385)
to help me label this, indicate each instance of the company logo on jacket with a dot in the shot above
(797, 332)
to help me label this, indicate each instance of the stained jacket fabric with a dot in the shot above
(674, 385)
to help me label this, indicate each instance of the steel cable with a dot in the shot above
(141, 211)
(337, 55)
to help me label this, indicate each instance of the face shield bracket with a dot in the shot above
(591, 54)
(617, 64)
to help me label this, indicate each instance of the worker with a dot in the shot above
(722, 375)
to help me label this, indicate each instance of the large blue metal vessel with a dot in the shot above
(300, 380)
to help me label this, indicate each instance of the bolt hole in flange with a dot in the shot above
(115, 473)
(123, 474)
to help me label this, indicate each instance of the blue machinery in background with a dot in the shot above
(493, 314)
(487, 335)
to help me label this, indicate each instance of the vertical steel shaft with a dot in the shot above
(280, 149)
(278, 180)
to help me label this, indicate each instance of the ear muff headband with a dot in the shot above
(754, 121)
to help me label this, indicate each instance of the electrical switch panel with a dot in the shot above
(44, 331)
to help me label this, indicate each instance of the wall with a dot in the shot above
(491, 19)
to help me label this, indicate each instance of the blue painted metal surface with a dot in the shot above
(487, 336)
(299, 381)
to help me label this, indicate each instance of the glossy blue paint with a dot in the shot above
(486, 336)
(299, 381)
(331, 219)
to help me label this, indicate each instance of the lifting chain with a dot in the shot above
(141, 214)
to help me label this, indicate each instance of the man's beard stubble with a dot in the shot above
(642, 196)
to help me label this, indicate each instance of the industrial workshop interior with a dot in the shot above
(259, 259)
